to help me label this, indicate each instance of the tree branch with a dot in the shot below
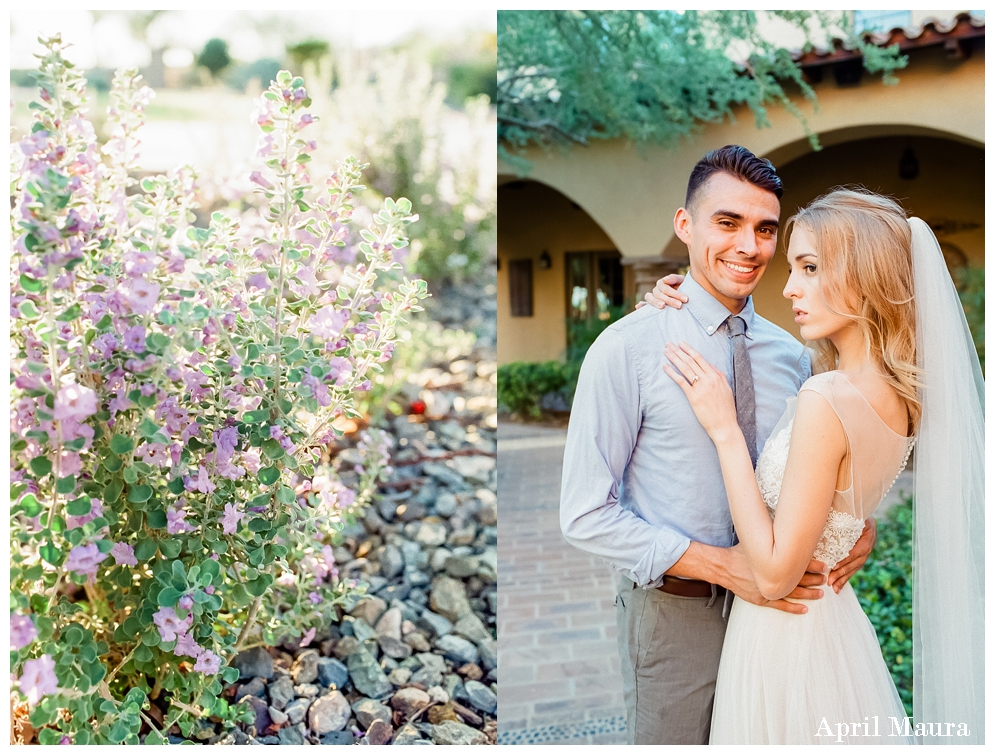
(542, 125)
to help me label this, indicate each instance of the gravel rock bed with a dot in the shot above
(414, 661)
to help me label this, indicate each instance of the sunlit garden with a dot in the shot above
(253, 394)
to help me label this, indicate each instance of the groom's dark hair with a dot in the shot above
(737, 161)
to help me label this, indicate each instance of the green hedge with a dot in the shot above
(884, 589)
(521, 385)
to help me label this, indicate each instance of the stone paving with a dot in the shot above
(557, 654)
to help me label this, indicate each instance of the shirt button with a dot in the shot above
(711, 329)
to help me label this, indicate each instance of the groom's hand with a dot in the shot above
(744, 586)
(858, 555)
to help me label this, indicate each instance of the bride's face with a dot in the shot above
(806, 290)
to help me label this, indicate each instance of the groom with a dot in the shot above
(642, 486)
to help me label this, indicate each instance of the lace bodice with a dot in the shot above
(868, 475)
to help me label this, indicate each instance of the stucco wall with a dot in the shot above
(534, 218)
(632, 192)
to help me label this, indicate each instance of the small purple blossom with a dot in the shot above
(175, 523)
(22, 631)
(134, 339)
(75, 402)
(84, 559)
(257, 178)
(185, 645)
(169, 624)
(259, 280)
(314, 597)
(231, 519)
(207, 663)
(38, 678)
(142, 295)
(308, 636)
(186, 603)
(124, 554)
(328, 322)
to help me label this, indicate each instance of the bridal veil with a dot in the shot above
(949, 541)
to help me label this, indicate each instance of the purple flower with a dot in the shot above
(124, 554)
(314, 597)
(209, 589)
(134, 339)
(65, 740)
(203, 482)
(170, 625)
(84, 559)
(142, 295)
(186, 603)
(231, 519)
(38, 678)
(257, 178)
(175, 523)
(318, 389)
(308, 636)
(185, 645)
(259, 280)
(139, 263)
(22, 631)
(207, 662)
(306, 120)
(75, 402)
(328, 322)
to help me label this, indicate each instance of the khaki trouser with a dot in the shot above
(670, 648)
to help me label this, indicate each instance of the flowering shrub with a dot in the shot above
(173, 390)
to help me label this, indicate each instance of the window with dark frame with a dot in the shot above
(520, 285)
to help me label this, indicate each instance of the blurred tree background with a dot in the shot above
(418, 105)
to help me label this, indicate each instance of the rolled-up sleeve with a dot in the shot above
(604, 424)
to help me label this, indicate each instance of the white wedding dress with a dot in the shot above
(818, 677)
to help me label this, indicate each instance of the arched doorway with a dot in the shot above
(557, 271)
(936, 177)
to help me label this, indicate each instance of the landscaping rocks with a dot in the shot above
(413, 661)
(253, 663)
(329, 713)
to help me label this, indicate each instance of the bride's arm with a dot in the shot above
(778, 551)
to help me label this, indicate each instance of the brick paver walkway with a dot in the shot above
(557, 655)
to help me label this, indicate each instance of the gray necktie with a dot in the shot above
(742, 385)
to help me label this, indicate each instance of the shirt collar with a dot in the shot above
(709, 311)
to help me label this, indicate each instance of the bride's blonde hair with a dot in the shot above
(864, 244)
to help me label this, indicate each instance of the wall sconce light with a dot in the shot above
(908, 166)
(545, 261)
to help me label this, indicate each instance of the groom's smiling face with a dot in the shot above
(730, 229)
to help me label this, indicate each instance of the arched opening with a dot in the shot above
(558, 272)
(936, 177)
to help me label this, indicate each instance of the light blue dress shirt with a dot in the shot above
(641, 477)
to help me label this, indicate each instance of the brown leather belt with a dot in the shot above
(690, 588)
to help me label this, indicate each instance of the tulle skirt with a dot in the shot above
(816, 678)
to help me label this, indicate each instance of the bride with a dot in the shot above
(871, 290)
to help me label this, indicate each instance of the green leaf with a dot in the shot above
(79, 507)
(258, 586)
(70, 314)
(157, 342)
(156, 519)
(269, 475)
(285, 495)
(272, 449)
(28, 310)
(258, 415)
(240, 596)
(155, 738)
(65, 484)
(113, 491)
(31, 285)
(122, 444)
(112, 463)
(30, 505)
(139, 493)
(259, 524)
(168, 596)
(147, 428)
(145, 549)
(130, 475)
(170, 548)
(50, 553)
(175, 486)
(40, 466)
